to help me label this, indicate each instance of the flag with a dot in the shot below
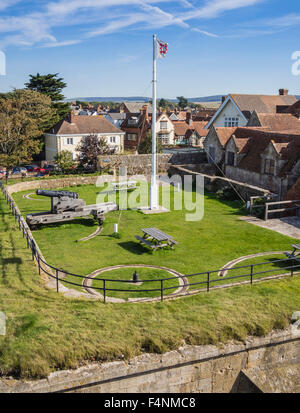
(162, 48)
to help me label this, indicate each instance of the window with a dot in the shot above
(269, 167)
(133, 121)
(70, 141)
(230, 158)
(163, 124)
(231, 122)
(112, 139)
(131, 137)
(164, 139)
(212, 154)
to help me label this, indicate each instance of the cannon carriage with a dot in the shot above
(65, 206)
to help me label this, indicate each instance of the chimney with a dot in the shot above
(145, 111)
(71, 117)
(189, 119)
(283, 92)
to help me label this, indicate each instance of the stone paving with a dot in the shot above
(289, 226)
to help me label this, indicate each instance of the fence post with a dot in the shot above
(292, 269)
(162, 290)
(57, 289)
(251, 274)
(39, 265)
(266, 211)
(208, 281)
(104, 292)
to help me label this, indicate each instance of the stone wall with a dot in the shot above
(55, 183)
(213, 183)
(265, 364)
(142, 164)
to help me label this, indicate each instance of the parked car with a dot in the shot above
(34, 168)
(19, 170)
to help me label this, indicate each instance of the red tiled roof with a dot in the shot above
(83, 125)
(279, 121)
(184, 129)
(262, 103)
(224, 134)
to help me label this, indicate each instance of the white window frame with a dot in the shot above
(231, 122)
(70, 141)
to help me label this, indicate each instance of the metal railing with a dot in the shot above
(54, 272)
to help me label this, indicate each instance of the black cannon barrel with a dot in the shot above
(57, 194)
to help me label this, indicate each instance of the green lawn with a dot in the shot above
(47, 331)
(204, 245)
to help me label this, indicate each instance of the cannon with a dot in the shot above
(65, 206)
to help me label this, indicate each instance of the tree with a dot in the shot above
(24, 115)
(182, 102)
(89, 149)
(145, 146)
(52, 86)
(64, 160)
(163, 103)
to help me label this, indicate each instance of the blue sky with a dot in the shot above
(104, 47)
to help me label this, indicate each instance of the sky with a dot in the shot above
(104, 47)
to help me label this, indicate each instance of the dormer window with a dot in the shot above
(163, 124)
(132, 121)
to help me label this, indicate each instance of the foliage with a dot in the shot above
(24, 116)
(89, 149)
(64, 160)
(182, 102)
(52, 86)
(145, 146)
(227, 194)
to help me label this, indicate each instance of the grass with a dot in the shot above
(204, 245)
(147, 275)
(47, 332)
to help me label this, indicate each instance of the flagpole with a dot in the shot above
(153, 191)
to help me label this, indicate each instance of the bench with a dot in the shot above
(143, 240)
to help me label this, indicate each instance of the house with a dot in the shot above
(189, 132)
(136, 128)
(68, 133)
(267, 159)
(236, 109)
(215, 142)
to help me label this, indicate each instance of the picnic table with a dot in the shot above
(155, 238)
(295, 253)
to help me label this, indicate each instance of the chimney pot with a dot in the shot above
(283, 92)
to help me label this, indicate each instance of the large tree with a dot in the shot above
(182, 102)
(89, 149)
(52, 86)
(24, 116)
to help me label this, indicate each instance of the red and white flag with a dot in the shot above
(162, 48)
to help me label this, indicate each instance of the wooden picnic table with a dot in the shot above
(155, 238)
(295, 253)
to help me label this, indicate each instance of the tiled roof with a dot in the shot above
(262, 103)
(83, 125)
(279, 121)
(224, 134)
(136, 107)
(184, 129)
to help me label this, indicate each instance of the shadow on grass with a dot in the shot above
(134, 248)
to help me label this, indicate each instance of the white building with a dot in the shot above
(68, 134)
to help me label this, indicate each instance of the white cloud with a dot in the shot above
(205, 32)
(102, 17)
